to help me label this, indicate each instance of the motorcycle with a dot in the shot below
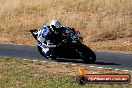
(62, 46)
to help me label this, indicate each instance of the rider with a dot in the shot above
(54, 26)
(44, 33)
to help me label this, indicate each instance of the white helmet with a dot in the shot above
(55, 23)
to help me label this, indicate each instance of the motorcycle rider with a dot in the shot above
(56, 27)
(45, 32)
(42, 42)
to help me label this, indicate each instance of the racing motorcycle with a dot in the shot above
(62, 46)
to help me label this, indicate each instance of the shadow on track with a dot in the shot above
(81, 62)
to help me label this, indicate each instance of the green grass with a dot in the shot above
(15, 73)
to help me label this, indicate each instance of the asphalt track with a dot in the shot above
(115, 60)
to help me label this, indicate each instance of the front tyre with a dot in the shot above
(87, 55)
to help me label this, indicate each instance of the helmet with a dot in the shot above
(55, 23)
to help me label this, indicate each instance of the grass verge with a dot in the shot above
(16, 73)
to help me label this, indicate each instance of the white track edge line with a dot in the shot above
(126, 70)
(24, 59)
(91, 66)
(34, 60)
(85, 65)
(99, 67)
(44, 61)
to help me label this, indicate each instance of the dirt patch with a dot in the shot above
(123, 44)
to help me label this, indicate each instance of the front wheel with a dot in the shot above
(89, 58)
(87, 55)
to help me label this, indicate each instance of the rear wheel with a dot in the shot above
(40, 51)
(51, 56)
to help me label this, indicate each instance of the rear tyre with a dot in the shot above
(51, 56)
(40, 51)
